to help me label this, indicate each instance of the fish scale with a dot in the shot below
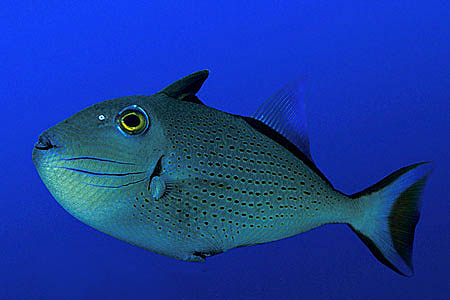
(243, 188)
(171, 175)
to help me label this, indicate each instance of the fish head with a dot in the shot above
(96, 161)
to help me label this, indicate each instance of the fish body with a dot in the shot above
(197, 181)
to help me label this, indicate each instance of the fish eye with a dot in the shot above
(133, 120)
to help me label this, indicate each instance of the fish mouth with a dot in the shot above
(44, 143)
(43, 150)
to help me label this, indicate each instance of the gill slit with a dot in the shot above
(156, 171)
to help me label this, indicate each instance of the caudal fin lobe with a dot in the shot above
(390, 212)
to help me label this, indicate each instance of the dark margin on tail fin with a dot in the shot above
(387, 180)
(403, 219)
(375, 251)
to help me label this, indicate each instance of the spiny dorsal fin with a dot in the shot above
(187, 87)
(285, 112)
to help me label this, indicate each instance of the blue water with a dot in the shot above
(379, 99)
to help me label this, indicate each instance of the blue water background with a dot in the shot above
(379, 94)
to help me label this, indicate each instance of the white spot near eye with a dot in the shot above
(101, 117)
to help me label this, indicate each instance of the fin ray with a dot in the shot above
(285, 112)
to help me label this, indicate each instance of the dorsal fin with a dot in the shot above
(285, 112)
(186, 88)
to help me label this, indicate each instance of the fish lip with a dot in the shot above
(43, 147)
(44, 143)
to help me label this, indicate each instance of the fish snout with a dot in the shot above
(44, 143)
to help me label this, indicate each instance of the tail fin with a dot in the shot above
(390, 212)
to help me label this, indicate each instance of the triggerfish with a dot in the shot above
(174, 176)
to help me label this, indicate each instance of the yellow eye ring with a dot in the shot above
(133, 120)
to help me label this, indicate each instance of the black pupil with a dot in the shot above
(132, 120)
